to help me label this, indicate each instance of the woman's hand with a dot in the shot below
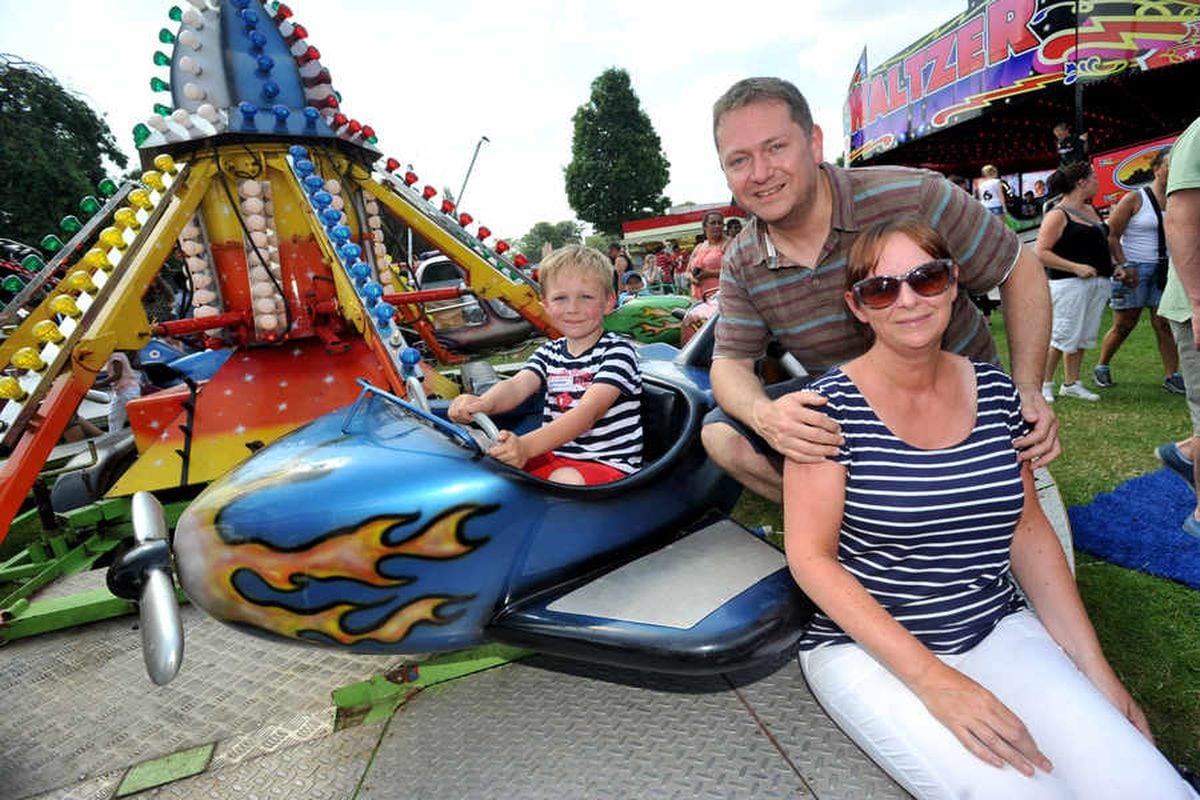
(1085, 271)
(509, 449)
(1104, 679)
(463, 406)
(983, 724)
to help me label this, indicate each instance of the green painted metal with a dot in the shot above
(167, 769)
(649, 319)
(378, 697)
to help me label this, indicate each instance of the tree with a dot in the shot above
(557, 234)
(52, 150)
(617, 170)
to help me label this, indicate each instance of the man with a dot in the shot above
(1180, 303)
(785, 275)
(1071, 148)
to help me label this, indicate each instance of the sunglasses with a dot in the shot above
(928, 280)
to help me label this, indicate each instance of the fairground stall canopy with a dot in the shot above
(989, 85)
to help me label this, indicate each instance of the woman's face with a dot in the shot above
(714, 227)
(1088, 185)
(913, 321)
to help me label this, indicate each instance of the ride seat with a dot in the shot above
(662, 412)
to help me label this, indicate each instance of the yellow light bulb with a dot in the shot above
(47, 331)
(165, 164)
(154, 181)
(81, 279)
(113, 238)
(28, 358)
(97, 259)
(10, 389)
(65, 304)
(126, 218)
(141, 199)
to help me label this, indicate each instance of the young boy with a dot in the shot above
(591, 424)
(634, 287)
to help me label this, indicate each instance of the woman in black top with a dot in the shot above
(1073, 245)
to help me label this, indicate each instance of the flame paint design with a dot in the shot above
(297, 605)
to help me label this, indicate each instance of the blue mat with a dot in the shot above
(1137, 525)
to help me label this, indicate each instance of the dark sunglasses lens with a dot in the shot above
(879, 292)
(930, 280)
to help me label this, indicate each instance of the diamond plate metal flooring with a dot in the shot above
(76, 711)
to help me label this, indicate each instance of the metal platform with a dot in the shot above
(251, 718)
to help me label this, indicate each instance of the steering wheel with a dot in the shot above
(491, 433)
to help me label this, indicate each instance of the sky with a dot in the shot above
(433, 78)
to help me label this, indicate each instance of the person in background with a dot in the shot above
(1071, 149)
(621, 263)
(991, 191)
(733, 226)
(126, 383)
(651, 274)
(1138, 243)
(591, 428)
(1180, 302)
(704, 267)
(634, 286)
(1073, 245)
(911, 539)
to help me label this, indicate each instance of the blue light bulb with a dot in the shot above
(331, 216)
(349, 251)
(384, 313)
(341, 234)
(298, 151)
(305, 167)
(249, 111)
(313, 184)
(257, 41)
(361, 270)
(249, 17)
(372, 292)
(270, 90)
(265, 64)
(311, 115)
(410, 356)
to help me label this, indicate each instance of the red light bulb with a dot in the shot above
(519, 260)
(355, 126)
(392, 165)
(311, 54)
(447, 207)
(283, 12)
(428, 192)
(465, 219)
(501, 247)
(339, 119)
(483, 232)
(410, 178)
(299, 31)
(368, 131)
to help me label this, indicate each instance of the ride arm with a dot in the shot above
(1041, 569)
(813, 503)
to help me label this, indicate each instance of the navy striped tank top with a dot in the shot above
(928, 532)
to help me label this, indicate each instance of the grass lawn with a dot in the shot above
(1150, 627)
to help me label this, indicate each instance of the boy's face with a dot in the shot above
(577, 302)
(635, 285)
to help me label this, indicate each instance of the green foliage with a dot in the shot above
(617, 171)
(52, 147)
(557, 234)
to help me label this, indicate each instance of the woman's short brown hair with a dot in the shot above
(868, 247)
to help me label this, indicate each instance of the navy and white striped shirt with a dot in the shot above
(616, 438)
(928, 533)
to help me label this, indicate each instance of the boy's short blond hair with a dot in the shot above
(990, 171)
(586, 261)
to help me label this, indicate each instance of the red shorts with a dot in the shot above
(593, 472)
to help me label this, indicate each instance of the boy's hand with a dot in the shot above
(463, 406)
(509, 449)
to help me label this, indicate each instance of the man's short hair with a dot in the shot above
(582, 260)
(759, 90)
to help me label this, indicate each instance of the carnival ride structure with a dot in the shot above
(989, 85)
(275, 203)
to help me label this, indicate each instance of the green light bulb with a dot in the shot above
(159, 85)
(107, 187)
(176, 13)
(33, 263)
(373, 140)
(51, 243)
(89, 205)
(12, 284)
(166, 37)
(140, 134)
(161, 110)
(161, 59)
(70, 224)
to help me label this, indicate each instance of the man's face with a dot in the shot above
(770, 165)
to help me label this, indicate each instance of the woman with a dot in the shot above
(1073, 246)
(909, 541)
(1138, 243)
(704, 266)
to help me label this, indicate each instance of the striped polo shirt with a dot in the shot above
(763, 295)
(928, 533)
(616, 438)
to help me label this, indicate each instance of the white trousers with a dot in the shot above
(1078, 305)
(1095, 751)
